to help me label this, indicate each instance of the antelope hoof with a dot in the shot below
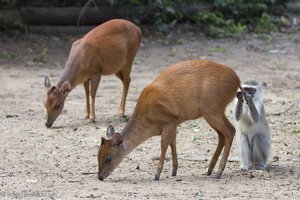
(208, 173)
(218, 175)
(156, 177)
(174, 172)
(92, 120)
(121, 114)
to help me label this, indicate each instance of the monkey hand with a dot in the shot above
(247, 97)
(239, 95)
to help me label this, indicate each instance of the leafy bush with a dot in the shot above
(225, 18)
(265, 24)
(213, 24)
(256, 14)
(8, 3)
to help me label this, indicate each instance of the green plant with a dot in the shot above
(7, 55)
(8, 2)
(217, 18)
(215, 25)
(265, 24)
(163, 12)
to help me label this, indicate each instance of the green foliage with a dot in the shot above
(228, 18)
(8, 2)
(224, 18)
(256, 14)
(161, 12)
(9, 20)
(265, 24)
(214, 24)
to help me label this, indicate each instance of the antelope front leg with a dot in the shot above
(167, 135)
(94, 86)
(87, 98)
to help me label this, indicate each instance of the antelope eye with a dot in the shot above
(57, 106)
(107, 160)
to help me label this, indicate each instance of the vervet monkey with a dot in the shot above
(253, 130)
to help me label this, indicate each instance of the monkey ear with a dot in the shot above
(47, 82)
(110, 131)
(66, 88)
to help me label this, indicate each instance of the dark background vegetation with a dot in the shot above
(215, 18)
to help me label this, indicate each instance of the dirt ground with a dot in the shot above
(60, 163)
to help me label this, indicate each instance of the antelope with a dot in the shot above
(184, 91)
(109, 48)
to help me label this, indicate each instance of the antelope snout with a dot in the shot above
(48, 124)
(100, 177)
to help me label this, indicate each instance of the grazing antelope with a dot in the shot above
(107, 49)
(186, 90)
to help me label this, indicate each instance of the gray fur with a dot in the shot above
(253, 131)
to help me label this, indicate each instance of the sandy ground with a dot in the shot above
(60, 163)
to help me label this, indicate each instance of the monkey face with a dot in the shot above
(250, 90)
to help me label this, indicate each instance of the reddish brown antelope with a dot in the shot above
(184, 91)
(107, 49)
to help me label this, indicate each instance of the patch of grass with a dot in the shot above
(7, 55)
(40, 57)
(195, 138)
(291, 97)
(280, 64)
(180, 41)
(265, 25)
(218, 49)
(267, 59)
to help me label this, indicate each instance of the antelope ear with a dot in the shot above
(110, 131)
(47, 82)
(117, 139)
(102, 140)
(66, 88)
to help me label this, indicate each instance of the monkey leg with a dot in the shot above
(260, 151)
(245, 152)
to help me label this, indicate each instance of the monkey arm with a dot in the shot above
(252, 108)
(239, 106)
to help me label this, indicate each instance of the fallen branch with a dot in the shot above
(74, 181)
(88, 173)
(282, 112)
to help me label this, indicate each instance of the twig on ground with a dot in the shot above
(284, 111)
(88, 173)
